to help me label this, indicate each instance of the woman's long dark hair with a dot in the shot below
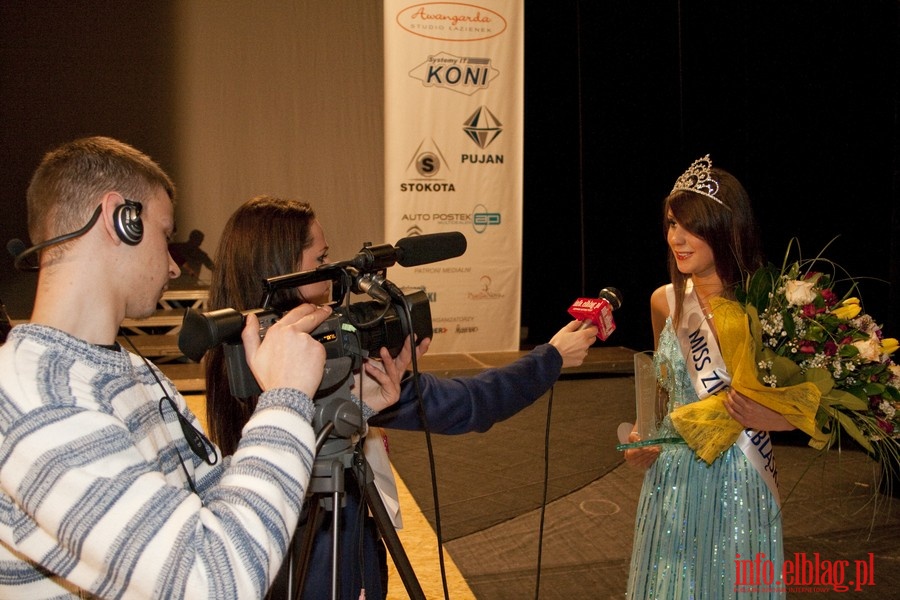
(264, 238)
(730, 230)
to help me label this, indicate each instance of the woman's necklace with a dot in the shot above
(703, 299)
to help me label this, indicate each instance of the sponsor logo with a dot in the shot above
(465, 75)
(439, 218)
(427, 160)
(427, 187)
(481, 159)
(455, 324)
(424, 166)
(483, 127)
(485, 293)
(482, 219)
(451, 21)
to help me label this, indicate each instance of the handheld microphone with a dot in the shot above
(598, 311)
(411, 251)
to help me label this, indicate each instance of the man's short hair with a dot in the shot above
(70, 180)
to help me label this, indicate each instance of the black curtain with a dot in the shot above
(798, 99)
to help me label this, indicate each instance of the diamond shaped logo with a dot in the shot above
(483, 127)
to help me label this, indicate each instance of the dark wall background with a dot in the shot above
(75, 69)
(797, 98)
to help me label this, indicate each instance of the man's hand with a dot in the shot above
(288, 357)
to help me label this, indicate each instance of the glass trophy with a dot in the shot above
(649, 406)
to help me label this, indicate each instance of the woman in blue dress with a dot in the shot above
(698, 519)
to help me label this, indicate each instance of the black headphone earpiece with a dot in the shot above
(127, 222)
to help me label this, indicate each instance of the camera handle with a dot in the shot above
(338, 422)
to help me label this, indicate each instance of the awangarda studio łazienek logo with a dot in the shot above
(803, 573)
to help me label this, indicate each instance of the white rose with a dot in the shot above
(895, 374)
(869, 349)
(799, 293)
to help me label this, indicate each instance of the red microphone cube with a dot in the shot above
(595, 311)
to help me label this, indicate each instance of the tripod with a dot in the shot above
(338, 421)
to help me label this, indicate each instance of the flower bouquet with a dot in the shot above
(806, 331)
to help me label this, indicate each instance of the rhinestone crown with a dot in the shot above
(698, 179)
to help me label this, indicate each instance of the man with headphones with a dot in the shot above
(107, 486)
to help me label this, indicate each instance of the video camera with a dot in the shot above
(353, 331)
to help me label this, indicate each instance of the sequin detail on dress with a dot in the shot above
(693, 519)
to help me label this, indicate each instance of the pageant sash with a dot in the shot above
(757, 447)
(709, 375)
(699, 346)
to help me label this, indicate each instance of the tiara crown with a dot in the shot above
(698, 179)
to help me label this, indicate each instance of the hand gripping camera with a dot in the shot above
(353, 331)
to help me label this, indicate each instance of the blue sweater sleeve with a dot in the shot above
(465, 404)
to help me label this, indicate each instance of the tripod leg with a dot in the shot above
(335, 545)
(301, 567)
(291, 577)
(392, 541)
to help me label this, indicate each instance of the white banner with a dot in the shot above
(453, 161)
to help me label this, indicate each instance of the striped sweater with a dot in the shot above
(94, 494)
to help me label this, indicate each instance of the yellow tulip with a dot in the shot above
(889, 345)
(848, 309)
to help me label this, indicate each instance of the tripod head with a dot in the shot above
(339, 424)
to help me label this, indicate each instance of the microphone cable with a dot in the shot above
(398, 295)
(199, 444)
(540, 548)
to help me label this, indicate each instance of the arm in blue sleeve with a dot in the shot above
(464, 404)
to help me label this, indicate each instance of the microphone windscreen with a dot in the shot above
(613, 296)
(15, 247)
(430, 247)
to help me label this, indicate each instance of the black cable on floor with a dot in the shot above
(537, 585)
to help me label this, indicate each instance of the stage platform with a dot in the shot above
(602, 360)
(491, 490)
(491, 493)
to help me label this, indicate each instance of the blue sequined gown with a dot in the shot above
(693, 519)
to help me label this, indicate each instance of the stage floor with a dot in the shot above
(491, 485)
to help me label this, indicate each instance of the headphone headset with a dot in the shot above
(126, 221)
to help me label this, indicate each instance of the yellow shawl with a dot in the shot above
(706, 426)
